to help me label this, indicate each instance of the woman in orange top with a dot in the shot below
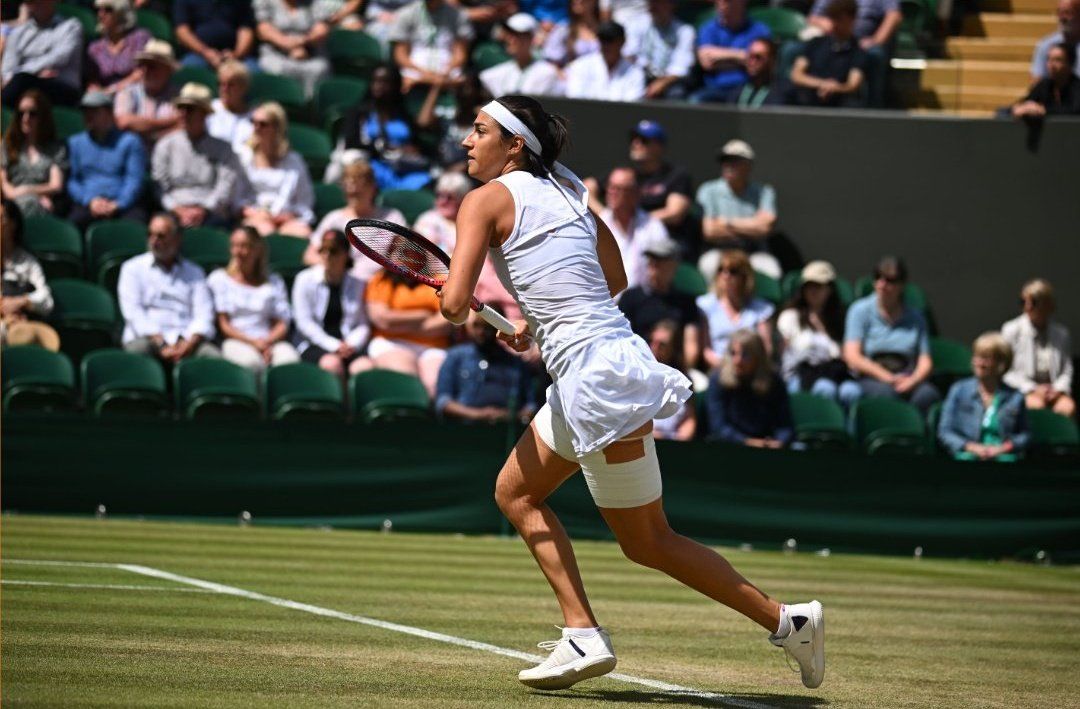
(409, 333)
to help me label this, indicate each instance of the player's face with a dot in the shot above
(488, 152)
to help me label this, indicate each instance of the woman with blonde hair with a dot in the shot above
(983, 418)
(111, 60)
(252, 305)
(1042, 366)
(732, 306)
(748, 402)
(34, 161)
(277, 195)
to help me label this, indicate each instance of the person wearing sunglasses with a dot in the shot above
(760, 88)
(887, 342)
(34, 161)
(1042, 367)
(112, 59)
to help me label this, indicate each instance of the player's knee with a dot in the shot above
(648, 547)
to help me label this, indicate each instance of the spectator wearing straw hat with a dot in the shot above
(522, 73)
(45, 53)
(146, 106)
(111, 60)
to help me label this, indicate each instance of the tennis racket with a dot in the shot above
(402, 250)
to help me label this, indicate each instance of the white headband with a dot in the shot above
(515, 125)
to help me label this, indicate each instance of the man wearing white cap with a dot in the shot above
(522, 74)
(146, 106)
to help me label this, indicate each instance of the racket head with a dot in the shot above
(399, 249)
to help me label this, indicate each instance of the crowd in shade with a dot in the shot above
(180, 156)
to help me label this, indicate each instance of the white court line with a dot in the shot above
(108, 586)
(45, 562)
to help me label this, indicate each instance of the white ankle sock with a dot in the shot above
(580, 632)
(785, 623)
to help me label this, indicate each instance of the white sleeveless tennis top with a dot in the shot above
(606, 382)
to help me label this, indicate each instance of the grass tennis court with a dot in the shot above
(901, 632)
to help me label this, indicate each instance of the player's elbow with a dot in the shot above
(455, 312)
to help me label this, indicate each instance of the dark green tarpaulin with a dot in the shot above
(430, 477)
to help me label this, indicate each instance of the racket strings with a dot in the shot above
(409, 257)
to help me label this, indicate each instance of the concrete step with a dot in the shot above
(988, 74)
(1035, 7)
(1007, 49)
(1000, 25)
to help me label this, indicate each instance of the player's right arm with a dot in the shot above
(486, 218)
(607, 250)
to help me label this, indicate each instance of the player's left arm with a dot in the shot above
(477, 228)
(607, 250)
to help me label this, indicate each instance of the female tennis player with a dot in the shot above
(562, 265)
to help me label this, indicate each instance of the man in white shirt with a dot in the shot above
(663, 46)
(606, 75)
(167, 308)
(522, 74)
(631, 225)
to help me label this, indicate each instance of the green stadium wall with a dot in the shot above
(439, 478)
(973, 205)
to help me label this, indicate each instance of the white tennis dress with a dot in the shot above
(606, 382)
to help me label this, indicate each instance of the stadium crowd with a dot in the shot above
(178, 138)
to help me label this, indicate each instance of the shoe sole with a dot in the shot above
(817, 617)
(583, 669)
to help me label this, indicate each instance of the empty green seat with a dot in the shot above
(768, 288)
(57, 245)
(785, 24)
(488, 54)
(411, 203)
(286, 255)
(272, 87)
(819, 423)
(302, 391)
(313, 145)
(154, 22)
(6, 115)
(338, 93)
(68, 122)
(328, 197)
(35, 379)
(108, 244)
(206, 246)
(85, 317)
(215, 388)
(689, 280)
(119, 383)
(1053, 434)
(380, 394)
(884, 425)
(195, 75)
(952, 361)
(353, 52)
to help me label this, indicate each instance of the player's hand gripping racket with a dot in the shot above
(403, 251)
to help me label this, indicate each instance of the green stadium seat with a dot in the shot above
(206, 246)
(119, 383)
(302, 391)
(952, 361)
(785, 24)
(69, 121)
(933, 420)
(214, 388)
(411, 203)
(6, 114)
(84, 315)
(35, 379)
(286, 255)
(108, 244)
(1053, 434)
(86, 17)
(445, 105)
(283, 89)
(380, 394)
(314, 146)
(819, 423)
(57, 245)
(157, 24)
(792, 281)
(768, 288)
(353, 52)
(689, 280)
(488, 54)
(884, 425)
(336, 94)
(196, 75)
(914, 295)
(328, 197)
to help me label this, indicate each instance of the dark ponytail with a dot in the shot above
(551, 129)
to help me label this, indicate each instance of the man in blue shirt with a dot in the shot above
(107, 167)
(215, 30)
(722, 50)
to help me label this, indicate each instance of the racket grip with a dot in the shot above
(496, 321)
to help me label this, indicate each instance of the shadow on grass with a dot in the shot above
(732, 700)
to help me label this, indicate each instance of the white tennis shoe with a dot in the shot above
(572, 660)
(806, 641)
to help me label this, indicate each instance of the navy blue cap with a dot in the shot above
(650, 130)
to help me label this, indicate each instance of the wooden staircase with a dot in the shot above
(988, 66)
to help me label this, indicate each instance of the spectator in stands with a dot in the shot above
(747, 401)
(761, 87)
(812, 330)
(575, 38)
(292, 36)
(26, 297)
(731, 306)
(606, 75)
(983, 418)
(738, 213)
(482, 381)
(167, 307)
(358, 184)
(111, 60)
(722, 47)
(486, 15)
(275, 194)
(548, 12)
(34, 161)
(107, 167)
(631, 225)
(145, 106)
(657, 298)
(252, 305)
(522, 73)
(45, 53)
(409, 333)
(666, 190)
(231, 119)
(380, 15)
(11, 16)
(874, 28)
(431, 43)
(830, 70)
(195, 172)
(663, 46)
(886, 341)
(469, 97)
(346, 14)
(1068, 15)
(625, 12)
(666, 340)
(1042, 367)
(1058, 93)
(328, 307)
(213, 32)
